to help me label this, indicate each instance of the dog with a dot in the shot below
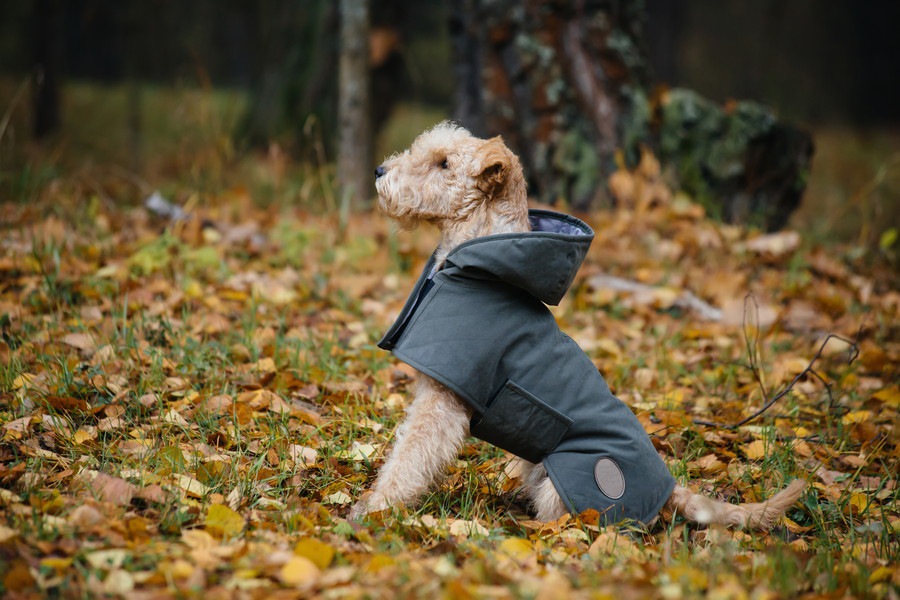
(580, 447)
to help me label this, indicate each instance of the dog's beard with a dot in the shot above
(404, 220)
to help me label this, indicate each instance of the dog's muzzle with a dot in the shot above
(380, 171)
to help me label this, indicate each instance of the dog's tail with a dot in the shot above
(755, 515)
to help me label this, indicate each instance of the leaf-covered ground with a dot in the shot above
(189, 409)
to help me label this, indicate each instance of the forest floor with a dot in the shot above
(189, 408)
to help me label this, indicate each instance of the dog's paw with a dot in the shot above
(370, 502)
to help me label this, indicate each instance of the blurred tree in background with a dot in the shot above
(568, 83)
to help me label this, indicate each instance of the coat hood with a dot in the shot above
(542, 262)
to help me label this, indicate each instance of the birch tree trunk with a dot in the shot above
(354, 130)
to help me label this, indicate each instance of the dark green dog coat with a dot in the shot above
(480, 327)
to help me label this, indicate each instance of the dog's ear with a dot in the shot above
(492, 166)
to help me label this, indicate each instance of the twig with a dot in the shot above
(753, 348)
(686, 299)
(12, 105)
(809, 370)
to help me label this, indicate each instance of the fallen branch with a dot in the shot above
(853, 352)
(686, 300)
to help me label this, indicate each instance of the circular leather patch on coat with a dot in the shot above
(609, 478)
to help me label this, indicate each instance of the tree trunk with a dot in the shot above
(553, 78)
(566, 83)
(47, 58)
(354, 141)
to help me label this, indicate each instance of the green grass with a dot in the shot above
(179, 320)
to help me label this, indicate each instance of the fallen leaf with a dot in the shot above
(118, 583)
(613, 544)
(303, 455)
(85, 517)
(109, 489)
(358, 452)
(517, 548)
(81, 341)
(339, 498)
(7, 533)
(191, 486)
(299, 572)
(198, 539)
(774, 244)
(756, 449)
(224, 521)
(107, 559)
(464, 528)
(889, 395)
(316, 551)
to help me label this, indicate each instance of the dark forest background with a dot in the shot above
(827, 67)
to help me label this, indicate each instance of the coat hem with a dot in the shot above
(645, 520)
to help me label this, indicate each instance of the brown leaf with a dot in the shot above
(81, 341)
(108, 488)
(66, 404)
(152, 493)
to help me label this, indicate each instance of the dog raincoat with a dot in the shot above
(479, 325)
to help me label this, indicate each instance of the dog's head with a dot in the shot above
(446, 175)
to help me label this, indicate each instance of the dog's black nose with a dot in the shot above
(379, 171)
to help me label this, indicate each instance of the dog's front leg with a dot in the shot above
(427, 442)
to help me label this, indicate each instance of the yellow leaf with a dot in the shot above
(56, 563)
(265, 365)
(857, 416)
(609, 347)
(613, 544)
(881, 574)
(319, 553)
(81, 436)
(793, 364)
(223, 520)
(795, 527)
(801, 448)
(299, 572)
(889, 395)
(191, 486)
(517, 548)
(857, 503)
(755, 449)
(22, 380)
(177, 569)
(674, 397)
(709, 464)
(689, 577)
(379, 562)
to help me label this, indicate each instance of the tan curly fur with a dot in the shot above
(469, 187)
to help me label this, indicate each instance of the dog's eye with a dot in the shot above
(444, 164)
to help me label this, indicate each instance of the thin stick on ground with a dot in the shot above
(853, 352)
